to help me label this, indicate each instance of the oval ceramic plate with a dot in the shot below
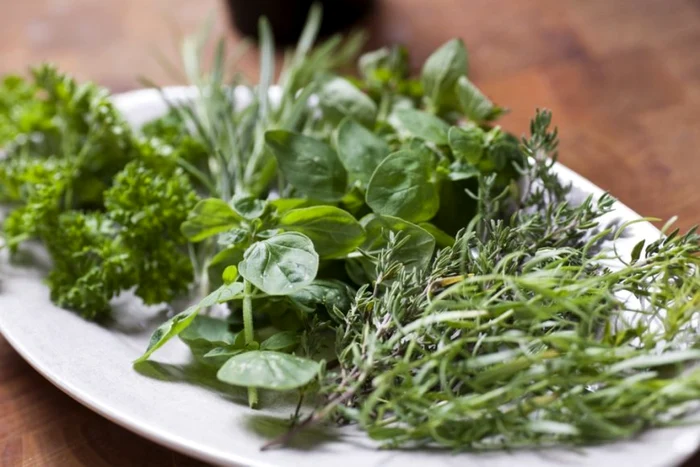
(169, 403)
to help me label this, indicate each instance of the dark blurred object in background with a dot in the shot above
(287, 17)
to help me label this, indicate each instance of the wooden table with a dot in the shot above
(622, 77)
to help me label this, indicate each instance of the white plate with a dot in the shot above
(92, 364)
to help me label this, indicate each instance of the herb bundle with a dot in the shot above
(469, 303)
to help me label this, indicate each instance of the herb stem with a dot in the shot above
(248, 333)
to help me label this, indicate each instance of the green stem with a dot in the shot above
(248, 333)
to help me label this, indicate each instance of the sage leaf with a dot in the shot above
(310, 165)
(339, 98)
(266, 369)
(209, 217)
(420, 125)
(441, 72)
(359, 150)
(334, 232)
(475, 104)
(404, 186)
(280, 265)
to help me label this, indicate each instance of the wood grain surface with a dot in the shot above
(622, 77)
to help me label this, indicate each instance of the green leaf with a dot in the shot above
(417, 251)
(281, 264)
(230, 274)
(283, 205)
(328, 293)
(467, 144)
(404, 186)
(334, 232)
(637, 251)
(359, 150)
(181, 321)
(168, 330)
(475, 104)
(205, 334)
(281, 341)
(421, 125)
(209, 217)
(310, 165)
(339, 98)
(441, 72)
(442, 238)
(266, 369)
(248, 207)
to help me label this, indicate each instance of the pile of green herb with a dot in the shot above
(379, 245)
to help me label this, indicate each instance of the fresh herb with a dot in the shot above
(469, 303)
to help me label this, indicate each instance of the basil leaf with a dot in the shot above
(442, 238)
(282, 341)
(359, 150)
(168, 330)
(467, 144)
(339, 98)
(421, 125)
(248, 207)
(181, 321)
(268, 370)
(225, 293)
(209, 217)
(328, 293)
(417, 251)
(404, 186)
(441, 72)
(475, 104)
(205, 334)
(227, 257)
(283, 205)
(334, 232)
(280, 265)
(310, 165)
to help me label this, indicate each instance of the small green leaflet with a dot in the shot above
(475, 104)
(359, 150)
(441, 72)
(209, 217)
(404, 186)
(181, 321)
(280, 265)
(416, 252)
(421, 125)
(339, 98)
(267, 369)
(230, 274)
(310, 165)
(334, 232)
(282, 341)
